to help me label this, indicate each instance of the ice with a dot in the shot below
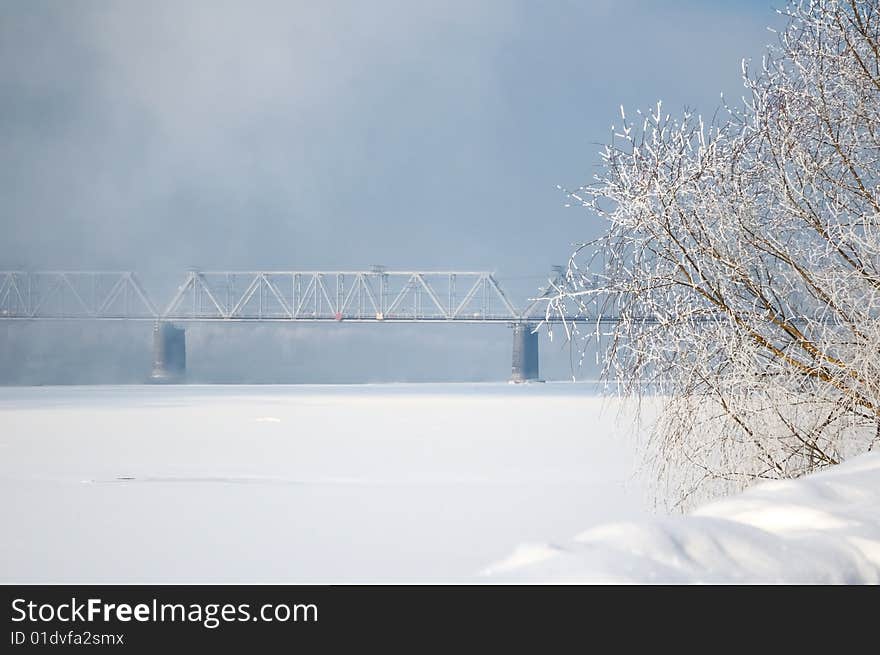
(388, 483)
(317, 484)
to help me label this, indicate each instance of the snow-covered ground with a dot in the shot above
(387, 483)
(322, 484)
(823, 528)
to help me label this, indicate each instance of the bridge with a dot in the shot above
(374, 296)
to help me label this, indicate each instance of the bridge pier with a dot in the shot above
(525, 353)
(169, 353)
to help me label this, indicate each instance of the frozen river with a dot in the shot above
(301, 484)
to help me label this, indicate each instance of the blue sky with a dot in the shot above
(160, 136)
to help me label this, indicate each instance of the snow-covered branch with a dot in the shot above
(742, 258)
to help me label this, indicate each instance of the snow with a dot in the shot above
(301, 484)
(824, 528)
(400, 483)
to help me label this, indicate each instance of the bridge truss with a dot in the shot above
(272, 296)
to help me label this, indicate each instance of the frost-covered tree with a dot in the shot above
(742, 258)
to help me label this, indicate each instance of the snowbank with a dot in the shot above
(824, 528)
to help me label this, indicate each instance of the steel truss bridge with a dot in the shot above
(371, 296)
(271, 296)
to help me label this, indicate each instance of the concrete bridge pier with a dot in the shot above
(169, 353)
(525, 353)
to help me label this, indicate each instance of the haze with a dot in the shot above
(163, 136)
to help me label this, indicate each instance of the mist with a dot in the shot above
(164, 136)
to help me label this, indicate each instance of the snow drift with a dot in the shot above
(823, 528)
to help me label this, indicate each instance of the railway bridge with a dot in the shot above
(366, 296)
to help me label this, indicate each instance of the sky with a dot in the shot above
(228, 135)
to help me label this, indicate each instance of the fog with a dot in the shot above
(164, 136)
